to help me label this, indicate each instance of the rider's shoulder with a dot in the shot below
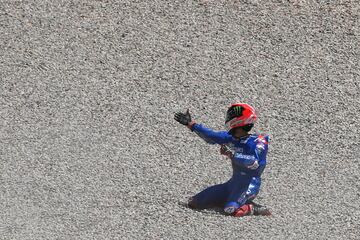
(260, 138)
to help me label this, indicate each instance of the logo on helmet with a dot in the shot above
(238, 110)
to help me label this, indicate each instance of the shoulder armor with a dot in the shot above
(261, 142)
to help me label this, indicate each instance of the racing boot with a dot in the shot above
(260, 210)
(252, 208)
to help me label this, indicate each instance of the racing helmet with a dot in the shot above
(240, 115)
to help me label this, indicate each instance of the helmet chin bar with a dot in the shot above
(246, 128)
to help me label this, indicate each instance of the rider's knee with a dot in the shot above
(192, 203)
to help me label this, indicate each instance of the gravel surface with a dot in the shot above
(88, 145)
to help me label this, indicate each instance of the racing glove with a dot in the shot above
(184, 118)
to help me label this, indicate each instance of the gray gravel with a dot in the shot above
(88, 145)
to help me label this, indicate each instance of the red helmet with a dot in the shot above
(240, 115)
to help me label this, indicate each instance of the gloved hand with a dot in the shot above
(184, 118)
(225, 150)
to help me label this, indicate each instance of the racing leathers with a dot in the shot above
(248, 159)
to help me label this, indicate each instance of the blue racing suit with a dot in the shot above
(248, 163)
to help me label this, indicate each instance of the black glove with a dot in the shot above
(183, 118)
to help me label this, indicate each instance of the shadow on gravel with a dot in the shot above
(215, 210)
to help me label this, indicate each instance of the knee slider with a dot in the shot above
(192, 203)
(231, 207)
